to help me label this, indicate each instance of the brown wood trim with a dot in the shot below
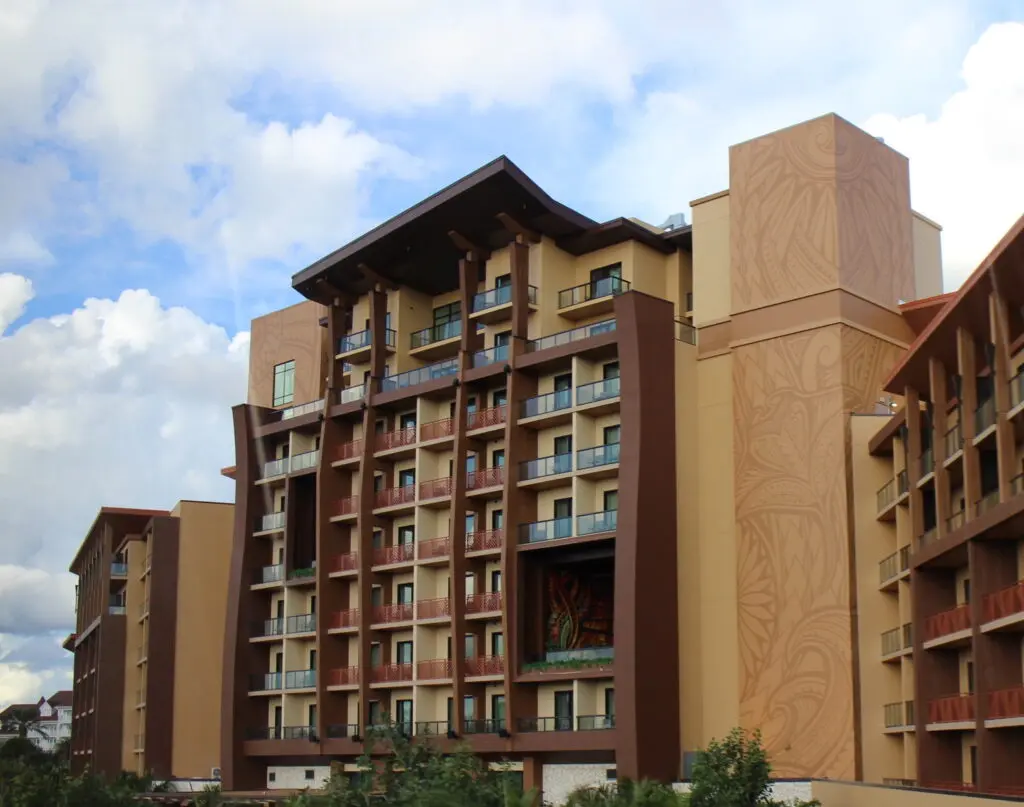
(881, 443)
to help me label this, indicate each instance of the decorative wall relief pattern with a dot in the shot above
(293, 333)
(793, 562)
(580, 610)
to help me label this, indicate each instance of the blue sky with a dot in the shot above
(176, 164)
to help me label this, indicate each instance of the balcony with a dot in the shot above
(346, 508)
(302, 409)
(957, 710)
(391, 674)
(413, 378)
(556, 465)
(495, 304)
(892, 644)
(484, 726)
(271, 522)
(352, 394)
(391, 555)
(549, 404)
(588, 299)
(344, 620)
(492, 418)
(540, 531)
(437, 608)
(437, 430)
(301, 623)
(270, 574)
(955, 521)
(478, 666)
(485, 540)
(487, 478)
(528, 725)
(488, 602)
(343, 731)
(899, 715)
(343, 677)
(902, 484)
(954, 442)
(436, 488)
(394, 497)
(1005, 604)
(348, 452)
(925, 466)
(948, 626)
(439, 668)
(437, 341)
(355, 347)
(592, 523)
(986, 503)
(492, 355)
(595, 722)
(984, 418)
(391, 614)
(893, 568)
(300, 679)
(1006, 704)
(345, 563)
(598, 461)
(434, 549)
(885, 498)
(268, 628)
(570, 336)
(607, 389)
(399, 438)
(267, 682)
(434, 728)
(303, 461)
(298, 732)
(118, 569)
(274, 468)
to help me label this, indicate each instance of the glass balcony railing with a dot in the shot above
(300, 679)
(597, 391)
(354, 341)
(493, 355)
(352, 394)
(985, 415)
(411, 378)
(270, 574)
(1017, 390)
(885, 496)
(501, 295)
(589, 523)
(435, 333)
(118, 569)
(595, 722)
(545, 404)
(301, 623)
(265, 683)
(531, 724)
(546, 466)
(954, 441)
(567, 337)
(926, 463)
(302, 409)
(549, 530)
(902, 482)
(274, 468)
(594, 290)
(271, 521)
(303, 461)
(597, 456)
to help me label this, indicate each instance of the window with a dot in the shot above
(312, 661)
(501, 339)
(611, 435)
(380, 426)
(497, 519)
(279, 662)
(280, 555)
(498, 458)
(470, 523)
(563, 383)
(375, 661)
(563, 710)
(967, 590)
(280, 609)
(471, 404)
(406, 535)
(405, 593)
(407, 420)
(499, 397)
(496, 581)
(563, 444)
(378, 539)
(974, 764)
(444, 314)
(501, 281)
(470, 584)
(277, 719)
(611, 500)
(610, 370)
(497, 707)
(377, 595)
(403, 716)
(312, 604)
(375, 716)
(312, 715)
(970, 677)
(272, 777)
(403, 652)
(470, 645)
(563, 508)
(309, 774)
(284, 383)
(469, 707)
(407, 477)
(605, 280)
(378, 483)
(609, 703)
(497, 644)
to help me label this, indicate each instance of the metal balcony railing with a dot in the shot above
(352, 394)
(986, 502)
(484, 418)
(354, 341)
(412, 378)
(570, 336)
(118, 569)
(433, 728)
(298, 732)
(1004, 603)
(954, 440)
(436, 429)
(271, 521)
(483, 540)
(397, 612)
(347, 618)
(391, 497)
(435, 333)
(500, 295)
(342, 731)
(546, 404)
(597, 456)
(434, 669)
(485, 665)
(491, 355)
(399, 553)
(486, 478)
(902, 482)
(434, 548)
(270, 574)
(1004, 703)
(273, 468)
(894, 715)
(1017, 390)
(267, 682)
(345, 562)
(343, 676)
(350, 450)
(594, 290)
(590, 523)
(597, 391)
(436, 488)
(483, 603)
(483, 726)
(269, 627)
(545, 466)
(908, 636)
(536, 724)
(889, 568)
(595, 722)
(264, 733)
(301, 623)
(891, 642)
(926, 463)
(946, 622)
(984, 415)
(391, 673)
(347, 506)
(303, 461)
(885, 496)
(545, 530)
(434, 608)
(300, 679)
(951, 709)
(396, 439)
(302, 409)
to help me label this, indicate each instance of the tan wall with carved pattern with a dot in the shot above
(291, 333)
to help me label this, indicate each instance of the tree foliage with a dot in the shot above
(626, 793)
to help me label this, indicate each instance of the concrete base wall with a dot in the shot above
(293, 777)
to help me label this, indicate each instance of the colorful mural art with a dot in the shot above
(580, 605)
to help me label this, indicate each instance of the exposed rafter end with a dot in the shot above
(474, 252)
(523, 234)
(377, 278)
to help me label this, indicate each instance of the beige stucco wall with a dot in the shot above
(204, 556)
(927, 256)
(852, 794)
(711, 286)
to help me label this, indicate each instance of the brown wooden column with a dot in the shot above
(940, 401)
(1001, 391)
(912, 406)
(966, 356)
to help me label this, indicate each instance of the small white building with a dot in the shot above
(54, 721)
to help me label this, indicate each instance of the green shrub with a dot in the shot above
(625, 793)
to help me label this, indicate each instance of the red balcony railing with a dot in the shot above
(347, 506)
(388, 673)
(953, 709)
(345, 562)
(397, 612)
(487, 478)
(483, 603)
(436, 488)
(348, 618)
(349, 451)
(484, 539)
(1006, 703)
(436, 429)
(400, 553)
(485, 665)
(343, 676)
(434, 668)
(393, 496)
(434, 548)
(487, 417)
(396, 439)
(959, 787)
(947, 622)
(432, 609)
(1004, 603)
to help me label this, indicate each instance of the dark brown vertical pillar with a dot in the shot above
(940, 399)
(238, 710)
(966, 358)
(1005, 442)
(533, 777)
(108, 720)
(646, 568)
(912, 406)
(160, 665)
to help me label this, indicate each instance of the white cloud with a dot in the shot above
(967, 163)
(15, 292)
(20, 247)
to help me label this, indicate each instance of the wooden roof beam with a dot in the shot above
(473, 251)
(523, 234)
(377, 278)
